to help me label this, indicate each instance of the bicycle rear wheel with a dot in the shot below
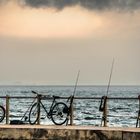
(2, 113)
(33, 114)
(59, 113)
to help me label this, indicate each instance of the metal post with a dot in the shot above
(139, 111)
(71, 114)
(38, 109)
(7, 109)
(138, 117)
(105, 114)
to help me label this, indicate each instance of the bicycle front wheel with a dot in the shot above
(59, 113)
(33, 114)
(2, 113)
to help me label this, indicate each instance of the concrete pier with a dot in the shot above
(42, 132)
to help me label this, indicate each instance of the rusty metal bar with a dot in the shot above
(38, 109)
(105, 114)
(112, 98)
(71, 114)
(46, 97)
(138, 117)
(7, 109)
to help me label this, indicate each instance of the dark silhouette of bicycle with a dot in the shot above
(58, 111)
(2, 113)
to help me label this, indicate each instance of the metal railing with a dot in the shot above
(104, 113)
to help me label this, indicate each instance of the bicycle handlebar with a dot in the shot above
(43, 96)
(34, 92)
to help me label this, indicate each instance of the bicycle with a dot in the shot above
(2, 113)
(58, 111)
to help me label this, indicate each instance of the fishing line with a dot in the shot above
(76, 82)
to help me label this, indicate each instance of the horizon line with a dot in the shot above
(69, 85)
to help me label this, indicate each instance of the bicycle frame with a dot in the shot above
(39, 98)
(43, 106)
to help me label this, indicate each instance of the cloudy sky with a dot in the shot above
(48, 41)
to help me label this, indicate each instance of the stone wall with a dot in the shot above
(38, 132)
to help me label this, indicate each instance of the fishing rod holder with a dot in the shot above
(103, 108)
(70, 109)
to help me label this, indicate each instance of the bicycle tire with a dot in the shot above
(33, 114)
(2, 113)
(58, 115)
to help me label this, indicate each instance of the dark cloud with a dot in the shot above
(3, 2)
(89, 4)
(59, 4)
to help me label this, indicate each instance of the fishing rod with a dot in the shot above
(71, 98)
(104, 98)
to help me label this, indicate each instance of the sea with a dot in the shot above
(121, 113)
